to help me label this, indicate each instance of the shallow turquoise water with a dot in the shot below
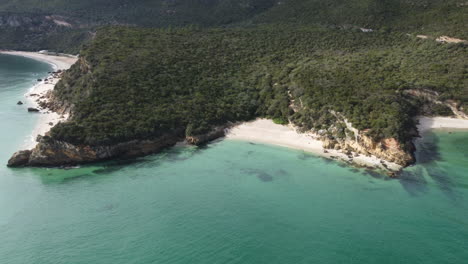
(229, 202)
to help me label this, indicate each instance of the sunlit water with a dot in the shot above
(228, 202)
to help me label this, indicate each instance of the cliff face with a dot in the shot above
(202, 139)
(49, 152)
(388, 149)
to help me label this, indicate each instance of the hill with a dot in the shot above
(34, 24)
(162, 85)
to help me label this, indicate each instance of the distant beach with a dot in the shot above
(46, 117)
(428, 123)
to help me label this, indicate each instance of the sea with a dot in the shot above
(226, 202)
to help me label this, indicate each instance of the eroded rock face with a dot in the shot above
(51, 153)
(19, 159)
(388, 149)
(202, 139)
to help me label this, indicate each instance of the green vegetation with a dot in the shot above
(34, 31)
(199, 64)
(141, 83)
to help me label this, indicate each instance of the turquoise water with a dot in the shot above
(229, 202)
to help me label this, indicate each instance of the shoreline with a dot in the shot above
(46, 119)
(266, 132)
(430, 123)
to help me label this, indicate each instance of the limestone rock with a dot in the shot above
(19, 159)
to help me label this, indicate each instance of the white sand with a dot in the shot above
(40, 89)
(427, 123)
(265, 131)
(58, 62)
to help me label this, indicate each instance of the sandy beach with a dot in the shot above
(267, 132)
(46, 118)
(428, 123)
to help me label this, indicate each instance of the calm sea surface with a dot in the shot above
(228, 202)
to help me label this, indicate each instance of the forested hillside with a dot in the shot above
(34, 24)
(142, 83)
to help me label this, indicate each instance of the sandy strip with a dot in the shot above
(62, 62)
(267, 132)
(46, 118)
(428, 123)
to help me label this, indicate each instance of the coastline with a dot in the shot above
(429, 123)
(266, 132)
(39, 91)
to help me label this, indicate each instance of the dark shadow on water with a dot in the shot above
(413, 181)
(374, 174)
(305, 156)
(443, 180)
(261, 175)
(428, 149)
(281, 172)
(342, 165)
(427, 155)
(107, 207)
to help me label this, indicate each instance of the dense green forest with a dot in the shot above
(152, 67)
(140, 83)
(23, 24)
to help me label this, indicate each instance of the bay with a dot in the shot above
(227, 202)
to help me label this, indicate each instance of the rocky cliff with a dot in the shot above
(388, 149)
(49, 152)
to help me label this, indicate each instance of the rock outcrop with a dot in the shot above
(204, 138)
(50, 153)
(20, 158)
(360, 142)
(33, 109)
(388, 149)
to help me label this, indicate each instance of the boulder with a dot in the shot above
(32, 109)
(19, 159)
